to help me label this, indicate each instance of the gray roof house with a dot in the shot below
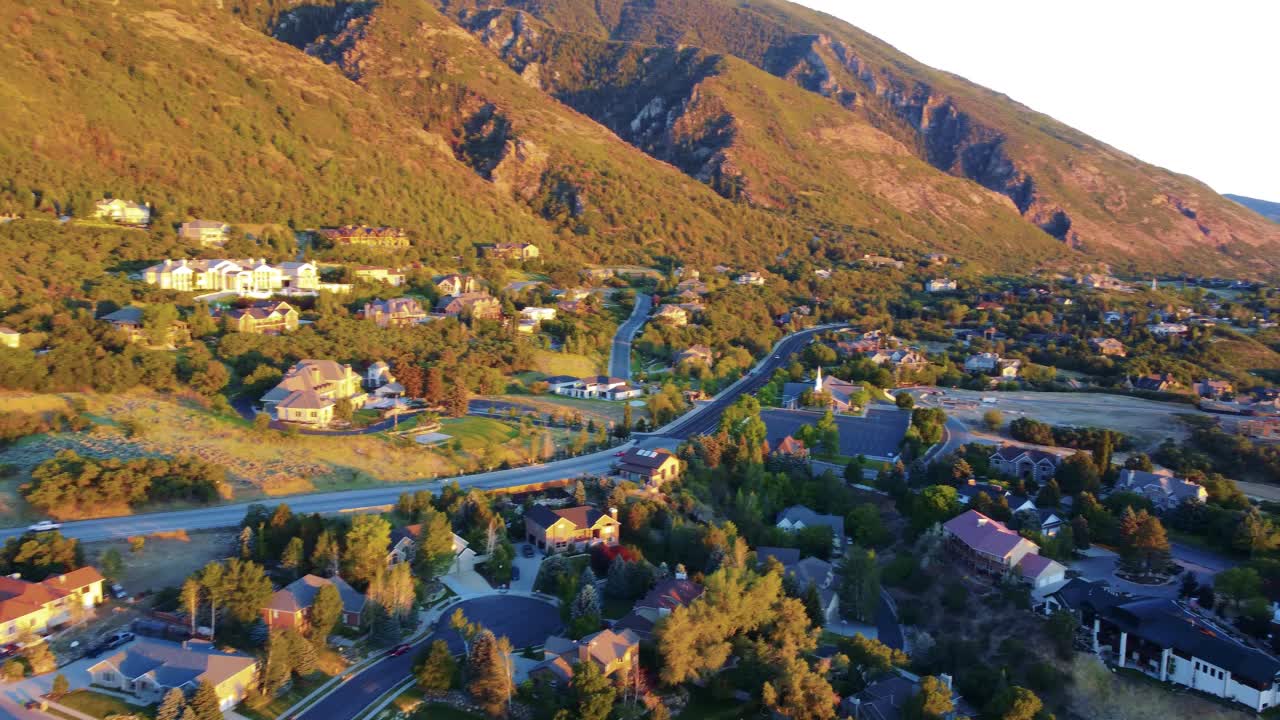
(147, 669)
(798, 517)
(1164, 490)
(808, 571)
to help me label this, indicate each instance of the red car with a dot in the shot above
(620, 453)
(399, 650)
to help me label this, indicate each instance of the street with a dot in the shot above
(620, 351)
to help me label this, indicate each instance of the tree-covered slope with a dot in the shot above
(1088, 195)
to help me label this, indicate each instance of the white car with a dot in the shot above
(44, 526)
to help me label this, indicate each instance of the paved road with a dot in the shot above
(620, 351)
(700, 420)
(525, 621)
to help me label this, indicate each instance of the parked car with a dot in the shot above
(117, 591)
(527, 550)
(399, 650)
(9, 650)
(515, 573)
(116, 640)
(44, 526)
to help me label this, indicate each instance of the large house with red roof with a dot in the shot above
(569, 528)
(661, 601)
(290, 606)
(990, 547)
(37, 607)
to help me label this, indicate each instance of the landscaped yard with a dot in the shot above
(478, 433)
(549, 362)
(96, 704)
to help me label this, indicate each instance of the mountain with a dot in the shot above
(609, 130)
(1265, 208)
(1089, 196)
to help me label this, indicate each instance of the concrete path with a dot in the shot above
(620, 350)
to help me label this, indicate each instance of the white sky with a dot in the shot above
(1190, 85)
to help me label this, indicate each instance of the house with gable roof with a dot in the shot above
(290, 606)
(799, 517)
(989, 547)
(309, 391)
(1164, 490)
(810, 571)
(651, 468)
(570, 528)
(1026, 463)
(38, 607)
(147, 669)
(669, 594)
(614, 652)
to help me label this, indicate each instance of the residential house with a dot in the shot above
(206, 232)
(692, 285)
(940, 285)
(790, 447)
(304, 277)
(1164, 490)
(1009, 368)
(1214, 389)
(571, 294)
(672, 315)
(366, 235)
(510, 251)
(378, 374)
(130, 320)
(10, 338)
(751, 278)
(1165, 329)
(404, 547)
(570, 528)
(147, 669)
(799, 517)
(613, 652)
(38, 607)
(990, 547)
(1025, 463)
(244, 277)
(396, 312)
(1108, 347)
(982, 363)
(1099, 281)
(661, 601)
(902, 360)
(1164, 382)
(1173, 643)
(887, 698)
(535, 316)
(123, 212)
(375, 273)
(695, 355)
(309, 391)
(810, 571)
(475, 305)
(263, 318)
(651, 468)
(596, 387)
(882, 261)
(290, 606)
(457, 285)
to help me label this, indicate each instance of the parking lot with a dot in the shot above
(878, 435)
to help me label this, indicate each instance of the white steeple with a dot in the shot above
(817, 384)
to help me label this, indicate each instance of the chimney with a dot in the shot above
(680, 572)
(613, 513)
(168, 262)
(946, 680)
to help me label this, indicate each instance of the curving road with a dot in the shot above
(702, 419)
(620, 351)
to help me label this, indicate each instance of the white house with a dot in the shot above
(939, 285)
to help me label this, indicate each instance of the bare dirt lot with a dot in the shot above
(1147, 421)
(165, 560)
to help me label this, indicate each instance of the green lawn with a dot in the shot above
(615, 608)
(478, 433)
(702, 706)
(96, 704)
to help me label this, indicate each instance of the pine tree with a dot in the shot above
(171, 707)
(60, 686)
(617, 585)
(303, 653)
(384, 628)
(277, 668)
(204, 704)
(246, 539)
(326, 609)
(586, 604)
(435, 546)
(434, 394)
(324, 558)
(593, 693)
(488, 678)
(291, 558)
(437, 671)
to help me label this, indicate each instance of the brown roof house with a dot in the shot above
(1026, 463)
(37, 607)
(205, 232)
(457, 284)
(264, 318)
(477, 305)
(695, 355)
(290, 606)
(570, 528)
(147, 669)
(308, 392)
(1108, 347)
(672, 315)
(396, 312)
(990, 547)
(510, 251)
(614, 652)
(130, 321)
(366, 235)
(651, 467)
(665, 597)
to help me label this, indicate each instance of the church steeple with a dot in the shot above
(817, 383)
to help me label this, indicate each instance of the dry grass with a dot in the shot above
(141, 423)
(1098, 694)
(166, 559)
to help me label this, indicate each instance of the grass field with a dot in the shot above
(476, 433)
(95, 704)
(601, 410)
(556, 363)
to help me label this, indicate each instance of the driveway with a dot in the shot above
(1100, 564)
(77, 673)
(620, 350)
(528, 570)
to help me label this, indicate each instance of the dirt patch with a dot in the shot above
(166, 558)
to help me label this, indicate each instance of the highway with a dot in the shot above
(700, 420)
(620, 351)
